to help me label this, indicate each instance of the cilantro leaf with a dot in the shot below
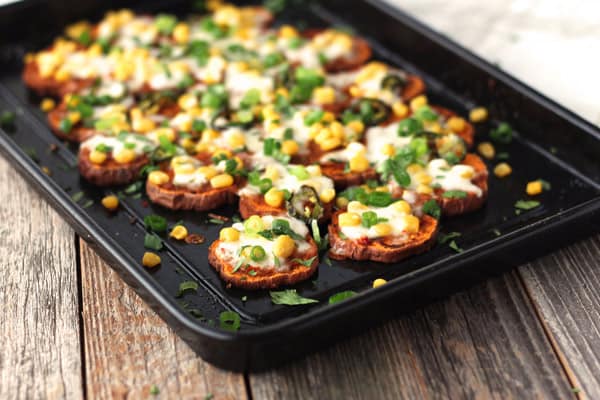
(290, 298)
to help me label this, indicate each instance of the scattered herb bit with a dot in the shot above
(526, 204)
(432, 208)
(341, 296)
(244, 298)
(455, 247)
(327, 261)
(496, 232)
(502, 156)
(502, 134)
(153, 242)
(154, 390)
(32, 153)
(209, 396)
(275, 6)
(449, 236)
(7, 119)
(306, 263)
(88, 203)
(229, 320)
(290, 298)
(454, 194)
(216, 221)
(553, 150)
(133, 188)
(186, 286)
(155, 223)
(194, 312)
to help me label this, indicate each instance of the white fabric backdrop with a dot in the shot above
(552, 45)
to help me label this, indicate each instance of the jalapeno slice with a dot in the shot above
(305, 204)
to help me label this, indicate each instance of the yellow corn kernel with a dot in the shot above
(478, 114)
(124, 156)
(97, 157)
(187, 143)
(434, 127)
(181, 33)
(47, 105)
(341, 202)
(229, 235)
(468, 173)
(110, 202)
(158, 177)
(402, 206)
(236, 140)
(349, 219)
(75, 30)
(221, 181)
(208, 171)
(400, 109)
(359, 163)
(328, 116)
(314, 170)
(184, 169)
(94, 50)
(413, 169)
(274, 197)
(123, 71)
(382, 229)
(150, 259)
(388, 149)
(180, 232)
(330, 144)
(284, 246)
(74, 117)
(337, 130)
(424, 189)
(209, 134)
(327, 195)
(487, 150)
(324, 95)
(271, 173)
(288, 32)
(62, 75)
(187, 101)
(418, 102)
(423, 178)
(290, 147)
(357, 126)
(534, 188)
(502, 170)
(411, 223)
(143, 125)
(168, 133)
(370, 70)
(283, 92)
(355, 91)
(379, 282)
(222, 153)
(356, 206)
(456, 124)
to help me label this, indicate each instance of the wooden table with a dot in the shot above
(71, 328)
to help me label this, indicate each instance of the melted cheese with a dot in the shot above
(378, 137)
(456, 177)
(138, 143)
(395, 218)
(352, 150)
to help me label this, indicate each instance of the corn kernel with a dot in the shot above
(349, 219)
(180, 232)
(379, 282)
(382, 229)
(370, 70)
(229, 235)
(359, 163)
(487, 150)
(324, 95)
(357, 126)
(388, 149)
(97, 157)
(221, 181)
(402, 206)
(327, 195)
(502, 170)
(95, 50)
(150, 259)
(413, 169)
(110, 202)
(271, 172)
(184, 169)
(411, 223)
(274, 197)
(47, 105)
(283, 92)
(288, 32)
(158, 177)
(208, 171)
(143, 125)
(456, 124)
(337, 130)
(341, 202)
(423, 178)
(62, 75)
(181, 33)
(478, 114)
(124, 156)
(434, 127)
(328, 116)
(400, 109)
(290, 147)
(418, 102)
(187, 101)
(236, 140)
(284, 246)
(355, 91)
(330, 144)
(534, 188)
(356, 206)
(424, 189)
(74, 117)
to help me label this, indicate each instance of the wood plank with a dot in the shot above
(482, 343)
(564, 287)
(128, 348)
(39, 318)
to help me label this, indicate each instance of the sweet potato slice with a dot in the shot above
(264, 279)
(48, 86)
(458, 206)
(78, 133)
(342, 179)
(110, 172)
(387, 249)
(360, 54)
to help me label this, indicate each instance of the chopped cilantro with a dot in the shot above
(341, 296)
(290, 298)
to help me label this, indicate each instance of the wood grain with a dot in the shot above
(129, 349)
(39, 317)
(565, 288)
(482, 343)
